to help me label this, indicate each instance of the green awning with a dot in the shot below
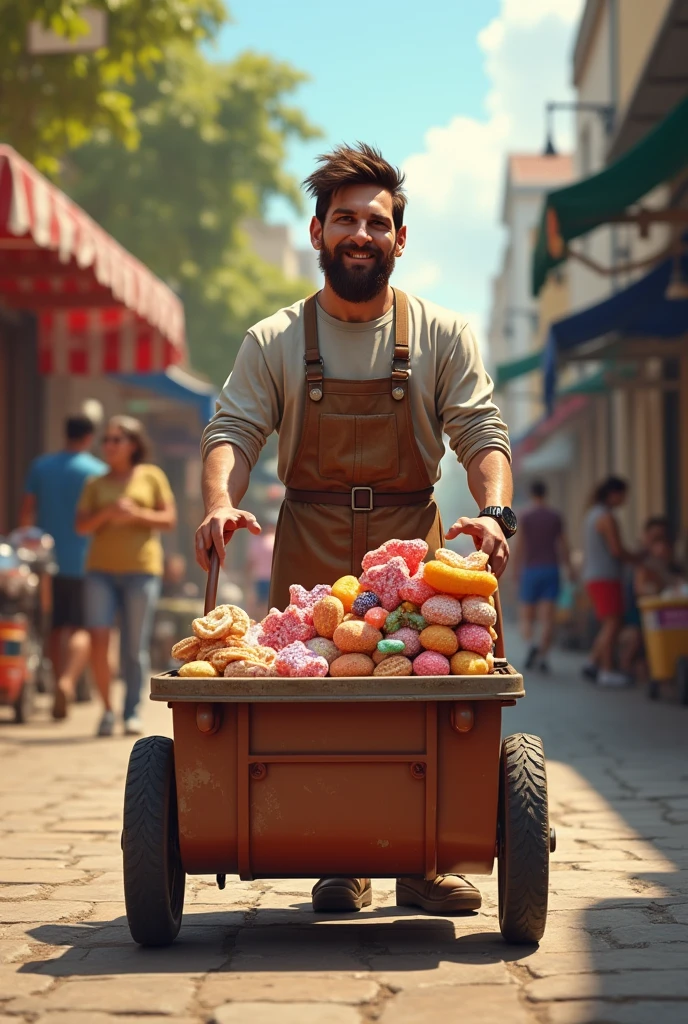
(517, 368)
(573, 211)
(599, 383)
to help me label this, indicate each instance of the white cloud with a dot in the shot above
(455, 184)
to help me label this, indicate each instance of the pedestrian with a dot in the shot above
(124, 510)
(604, 556)
(259, 563)
(53, 486)
(541, 549)
(361, 381)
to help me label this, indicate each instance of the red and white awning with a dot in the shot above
(99, 309)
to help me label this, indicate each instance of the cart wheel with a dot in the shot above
(654, 690)
(523, 839)
(23, 706)
(682, 680)
(154, 877)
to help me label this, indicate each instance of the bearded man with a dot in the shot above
(360, 381)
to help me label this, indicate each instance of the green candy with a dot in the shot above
(390, 646)
(400, 618)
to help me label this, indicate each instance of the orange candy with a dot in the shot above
(448, 580)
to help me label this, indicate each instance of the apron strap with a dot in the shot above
(312, 357)
(401, 363)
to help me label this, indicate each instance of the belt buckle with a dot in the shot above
(362, 508)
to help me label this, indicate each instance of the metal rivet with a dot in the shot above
(315, 394)
(398, 393)
(258, 771)
(418, 770)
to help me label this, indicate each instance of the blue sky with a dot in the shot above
(446, 88)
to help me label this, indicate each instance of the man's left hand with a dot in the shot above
(487, 536)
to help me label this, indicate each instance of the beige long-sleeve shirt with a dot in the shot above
(450, 390)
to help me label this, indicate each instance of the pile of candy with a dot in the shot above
(402, 617)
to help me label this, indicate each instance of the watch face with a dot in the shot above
(509, 518)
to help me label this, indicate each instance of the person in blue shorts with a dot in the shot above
(53, 488)
(541, 550)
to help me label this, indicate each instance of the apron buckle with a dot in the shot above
(354, 499)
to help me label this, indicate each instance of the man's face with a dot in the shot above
(358, 243)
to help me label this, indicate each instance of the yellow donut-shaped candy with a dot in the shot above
(448, 580)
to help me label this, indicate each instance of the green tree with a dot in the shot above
(212, 148)
(52, 103)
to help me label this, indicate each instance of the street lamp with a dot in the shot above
(604, 111)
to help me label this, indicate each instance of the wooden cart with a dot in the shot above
(363, 777)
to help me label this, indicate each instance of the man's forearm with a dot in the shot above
(489, 478)
(225, 477)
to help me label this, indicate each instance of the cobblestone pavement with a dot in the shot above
(615, 950)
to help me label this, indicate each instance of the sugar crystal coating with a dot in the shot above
(416, 589)
(328, 612)
(442, 610)
(352, 665)
(347, 589)
(474, 638)
(439, 638)
(357, 637)
(430, 663)
(412, 551)
(307, 599)
(478, 610)
(364, 602)
(410, 638)
(295, 660)
(385, 581)
(327, 649)
(394, 665)
(283, 628)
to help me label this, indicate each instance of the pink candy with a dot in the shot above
(305, 599)
(385, 580)
(416, 589)
(442, 610)
(430, 663)
(474, 638)
(412, 551)
(324, 648)
(295, 660)
(410, 638)
(282, 628)
(478, 610)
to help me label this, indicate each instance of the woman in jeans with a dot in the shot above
(125, 510)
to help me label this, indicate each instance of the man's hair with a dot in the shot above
(612, 485)
(355, 165)
(79, 427)
(538, 489)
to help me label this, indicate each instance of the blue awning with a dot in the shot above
(178, 385)
(641, 310)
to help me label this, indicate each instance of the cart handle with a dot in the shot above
(499, 642)
(212, 582)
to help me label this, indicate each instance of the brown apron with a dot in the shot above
(358, 478)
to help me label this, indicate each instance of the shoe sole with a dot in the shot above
(341, 900)
(450, 905)
(60, 706)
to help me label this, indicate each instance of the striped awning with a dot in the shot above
(99, 309)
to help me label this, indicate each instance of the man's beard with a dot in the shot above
(356, 284)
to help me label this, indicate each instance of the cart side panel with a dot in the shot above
(468, 788)
(346, 728)
(206, 776)
(355, 819)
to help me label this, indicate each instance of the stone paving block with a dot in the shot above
(99, 862)
(282, 987)
(13, 950)
(622, 985)
(19, 892)
(44, 875)
(590, 1012)
(128, 958)
(459, 1005)
(659, 957)
(421, 971)
(88, 1017)
(107, 889)
(40, 911)
(651, 933)
(29, 846)
(14, 982)
(113, 825)
(142, 994)
(285, 1013)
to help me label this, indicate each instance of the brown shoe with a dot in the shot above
(59, 704)
(345, 894)
(447, 894)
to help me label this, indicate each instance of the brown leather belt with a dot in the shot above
(360, 499)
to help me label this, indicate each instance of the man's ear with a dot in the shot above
(316, 230)
(400, 243)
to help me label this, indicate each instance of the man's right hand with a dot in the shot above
(216, 531)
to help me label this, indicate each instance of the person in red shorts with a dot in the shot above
(604, 556)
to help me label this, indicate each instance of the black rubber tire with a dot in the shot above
(682, 680)
(23, 706)
(154, 877)
(654, 690)
(523, 840)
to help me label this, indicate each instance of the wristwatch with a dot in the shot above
(505, 516)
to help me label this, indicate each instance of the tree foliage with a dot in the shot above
(212, 149)
(54, 102)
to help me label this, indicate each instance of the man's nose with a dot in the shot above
(361, 235)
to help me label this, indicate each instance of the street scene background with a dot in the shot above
(151, 156)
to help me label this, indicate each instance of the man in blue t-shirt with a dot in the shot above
(53, 488)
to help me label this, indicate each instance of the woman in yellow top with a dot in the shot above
(125, 510)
